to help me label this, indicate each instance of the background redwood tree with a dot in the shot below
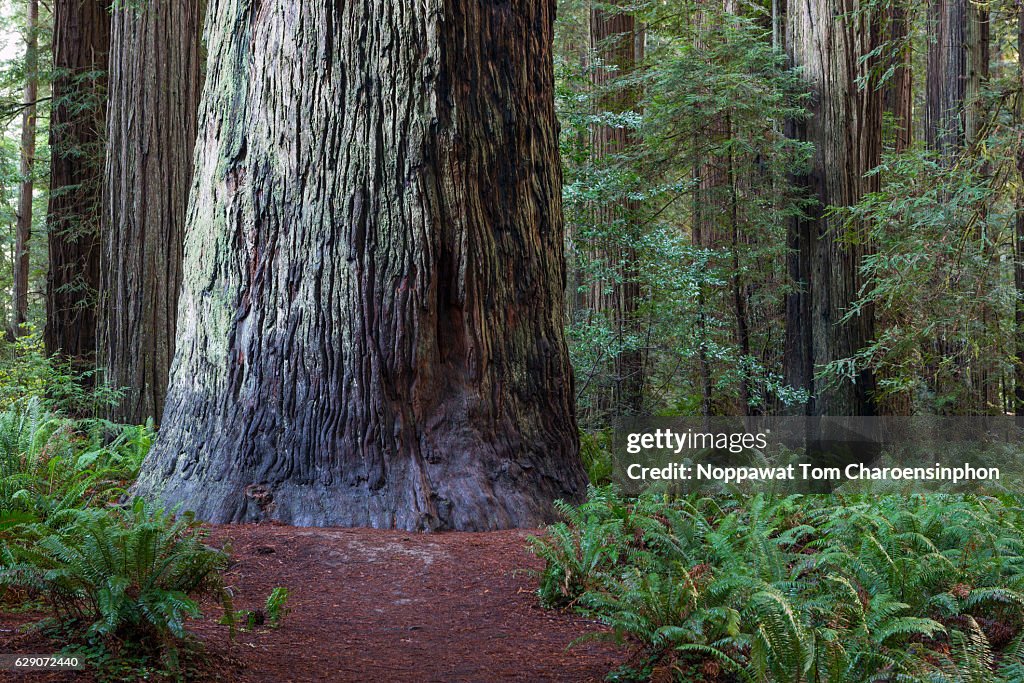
(154, 87)
(81, 39)
(833, 43)
(369, 330)
(1018, 234)
(617, 42)
(956, 73)
(27, 153)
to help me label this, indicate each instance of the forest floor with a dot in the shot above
(368, 605)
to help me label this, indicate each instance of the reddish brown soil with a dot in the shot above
(371, 605)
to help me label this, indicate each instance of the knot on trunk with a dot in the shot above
(261, 495)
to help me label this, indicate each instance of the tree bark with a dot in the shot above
(829, 40)
(81, 37)
(619, 44)
(370, 325)
(154, 89)
(957, 67)
(899, 104)
(23, 227)
(956, 71)
(1018, 270)
(899, 91)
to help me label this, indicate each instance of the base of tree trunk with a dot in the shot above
(458, 494)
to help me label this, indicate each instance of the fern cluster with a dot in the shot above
(119, 581)
(50, 464)
(119, 575)
(797, 589)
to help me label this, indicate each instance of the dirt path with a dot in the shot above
(391, 606)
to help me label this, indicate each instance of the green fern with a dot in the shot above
(800, 588)
(119, 575)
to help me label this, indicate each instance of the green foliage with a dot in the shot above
(14, 71)
(798, 588)
(26, 372)
(276, 606)
(119, 583)
(689, 215)
(118, 575)
(578, 550)
(595, 452)
(710, 99)
(944, 304)
(271, 614)
(52, 466)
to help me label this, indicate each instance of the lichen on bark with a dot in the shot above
(370, 325)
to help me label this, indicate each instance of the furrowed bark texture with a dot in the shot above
(23, 229)
(898, 93)
(829, 39)
(370, 327)
(154, 88)
(81, 36)
(1018, 242)
(957, 66)
(619, 44)
(899, 90)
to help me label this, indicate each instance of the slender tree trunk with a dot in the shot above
(23, 228)
(798, 355)
(957, 68)
(956, 71)
(829, 40)
(154, 89)
(619, 44)
(1018, 270)
(716, 217)
(575, 296)
(899, 90)
(81, 36)
(985, 373)
(703, 362)
(370, 325)
(739, 289)
(778, 24)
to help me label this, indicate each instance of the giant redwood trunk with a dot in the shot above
(830, 40)
(369, 329)
(81, 36)
(154, 86)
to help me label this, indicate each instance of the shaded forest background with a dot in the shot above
(693, 189)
